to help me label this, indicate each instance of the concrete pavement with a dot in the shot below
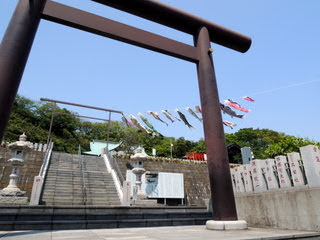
(160, 233)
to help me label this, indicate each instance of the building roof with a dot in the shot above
(96, 147)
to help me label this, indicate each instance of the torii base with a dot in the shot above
(227, 225)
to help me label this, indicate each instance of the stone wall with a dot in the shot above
(294, 208)
(27, 172)
(280, 193)
(196, 179)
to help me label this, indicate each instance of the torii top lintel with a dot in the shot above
(180, 20)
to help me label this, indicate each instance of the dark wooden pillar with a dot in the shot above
(223, 201)
(14, 51)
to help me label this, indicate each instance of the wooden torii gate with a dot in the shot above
(18, 39)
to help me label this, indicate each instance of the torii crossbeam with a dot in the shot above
(18, 39)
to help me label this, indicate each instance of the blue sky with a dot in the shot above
(71, 65)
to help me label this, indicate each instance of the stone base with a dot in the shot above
(227, 225)
(11, 192)
(7, 200)
(145, 202)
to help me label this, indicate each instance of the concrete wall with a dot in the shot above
(196, 178)
(294, 208)
(27, 172)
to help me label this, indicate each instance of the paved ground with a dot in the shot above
(159, 233)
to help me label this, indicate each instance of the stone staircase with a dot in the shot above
(99, 183)
(64, 184)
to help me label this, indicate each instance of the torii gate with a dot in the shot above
(18, 39)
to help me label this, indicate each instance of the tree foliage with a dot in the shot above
(34, 119)
(286, 145)
(200, 147)
(266, 143)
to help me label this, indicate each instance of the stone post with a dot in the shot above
(269, 165)
(284, 179)
(311, 160)
(238, 172)
(296, 171)
(259, 184)
(247, 178)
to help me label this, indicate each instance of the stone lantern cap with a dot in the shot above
(22, 144)
(139, 153)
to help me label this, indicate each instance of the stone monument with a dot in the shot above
(282, 164)
(12, 193)
(296, 167)
(259, 184)
(269, 170)
(311, 160)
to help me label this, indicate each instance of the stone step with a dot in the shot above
(99, 185)
(105, 192)
(94, 224)
(102, 198)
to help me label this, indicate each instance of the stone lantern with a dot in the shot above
(19, 150)
(138, 170)
(141, 197)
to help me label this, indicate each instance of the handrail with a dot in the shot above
(115, 166)
(46, 160)
(37, 187)
(84, 192)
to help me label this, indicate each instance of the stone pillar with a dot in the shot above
(246, 154)
(233, 181)
(284, 180)
(295, 167)
(259, 184)
(247, 178)
(269, 168)
(311, 160)
(238, 178)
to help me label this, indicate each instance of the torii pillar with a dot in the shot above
(14, 52)
(223, 202)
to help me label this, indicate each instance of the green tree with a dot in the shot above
(258, 139)
(286, 145)
(182, 146)
(179, 150)
(200, 146)
(34, 118)
(163, 148)
(24, 119)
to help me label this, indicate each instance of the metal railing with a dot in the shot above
(114, 165)
(37, 188)
(46, 160)
(84, 191)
